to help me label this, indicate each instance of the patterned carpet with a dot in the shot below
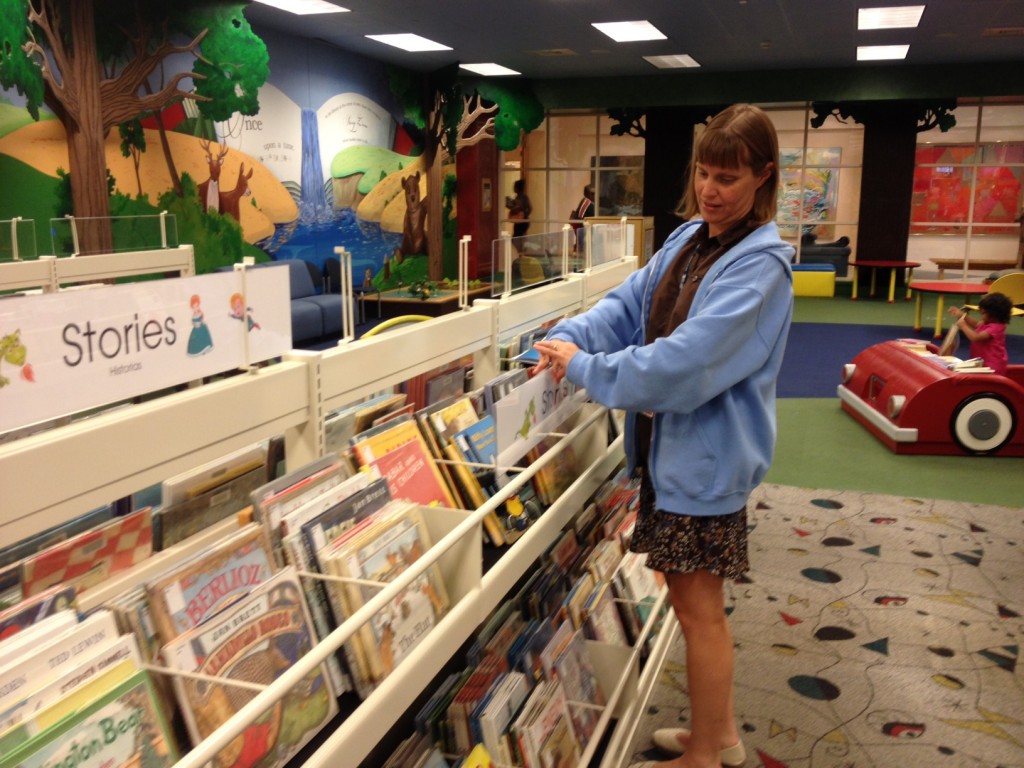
(873, 631)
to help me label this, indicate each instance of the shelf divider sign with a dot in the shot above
(80, 349)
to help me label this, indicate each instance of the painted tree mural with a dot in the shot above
(97, 65)
(462, 115)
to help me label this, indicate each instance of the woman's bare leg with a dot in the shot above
(699, 604)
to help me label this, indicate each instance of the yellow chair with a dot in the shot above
(1011, 286)
(531, 270)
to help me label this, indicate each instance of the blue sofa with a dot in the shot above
(836, 253)
(315, 313)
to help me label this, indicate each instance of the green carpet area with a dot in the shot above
(841, 309)
(821, 446)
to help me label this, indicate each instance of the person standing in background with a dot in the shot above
(519, 209)
(1020, 243)
(584, 209)
(690, 346)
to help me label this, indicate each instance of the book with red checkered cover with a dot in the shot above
(91, 557)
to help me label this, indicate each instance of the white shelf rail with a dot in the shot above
(54, 476)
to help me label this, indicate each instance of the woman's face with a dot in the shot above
(726, 195)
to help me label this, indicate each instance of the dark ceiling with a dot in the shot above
(553, 39)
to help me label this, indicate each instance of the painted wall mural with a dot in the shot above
(315, 159)
(820, 191)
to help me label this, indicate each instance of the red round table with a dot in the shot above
(942, 288)
(892, 266)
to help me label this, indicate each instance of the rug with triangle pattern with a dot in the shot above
(871, 631)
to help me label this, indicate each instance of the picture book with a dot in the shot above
(193, 591)
(601, 618)
(92, 556)
(329, 524)
(17, 551)
(374, 409)
(48, 714)
(199, 480)
(583, 693)
(448, 383)
(34, 634)
(553, 478)
(499, 712)
(555, 647)
(272, 501)
(176, 522)
(124, 728)
(255, 640)
(33, 610)
(380, 553)
(481, 439)
(452, 418)
(310, 529)
(89, 667)
(54, 655)
(401, 456)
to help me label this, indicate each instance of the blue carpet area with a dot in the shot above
(817, 352)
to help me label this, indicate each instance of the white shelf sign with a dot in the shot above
(79, 349)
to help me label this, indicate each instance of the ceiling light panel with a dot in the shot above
(881, 52)
(902, 17)
(489, 69)
(677, 61)
(630, 31)
(304, 7)
(411, 43)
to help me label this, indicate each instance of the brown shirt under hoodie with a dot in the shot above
(674, 296)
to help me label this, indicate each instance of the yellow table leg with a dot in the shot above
(874, 270)
(853, 294)
(910, 279)
(917, 312)
(892, 283)
(938, 316)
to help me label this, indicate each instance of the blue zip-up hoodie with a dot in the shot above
(710, 384)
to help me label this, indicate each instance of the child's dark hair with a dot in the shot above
(997, 306)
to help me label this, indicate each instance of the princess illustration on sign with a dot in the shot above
(199, 340)
(241, 312)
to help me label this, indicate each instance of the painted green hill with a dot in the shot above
(31, 195)
(12, 118)
(373, 162)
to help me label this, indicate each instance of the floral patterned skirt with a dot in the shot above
(685, 543)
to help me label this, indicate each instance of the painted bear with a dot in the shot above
(414, 238)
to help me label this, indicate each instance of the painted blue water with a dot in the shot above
(315, 242)
(314, 206)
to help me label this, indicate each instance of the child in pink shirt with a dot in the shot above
(987, 335)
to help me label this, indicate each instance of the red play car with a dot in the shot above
(908, 398)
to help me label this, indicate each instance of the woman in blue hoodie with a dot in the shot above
(690, 347)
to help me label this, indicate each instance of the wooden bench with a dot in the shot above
(986, 265)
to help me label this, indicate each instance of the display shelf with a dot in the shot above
(53, 476)
(50, 273)
(354, 370)
(598, 461)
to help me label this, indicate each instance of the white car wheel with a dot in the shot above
(983, 424)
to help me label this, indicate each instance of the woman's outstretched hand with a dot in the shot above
(554, 355)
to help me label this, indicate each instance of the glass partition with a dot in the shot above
(518, 263)
(18, 240)
(71, 236)
(607, 243)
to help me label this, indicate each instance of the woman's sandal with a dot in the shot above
(667, 740)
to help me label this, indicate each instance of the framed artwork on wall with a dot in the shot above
(486, 195)
(820, 191)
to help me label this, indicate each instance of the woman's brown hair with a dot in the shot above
(738, 135)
